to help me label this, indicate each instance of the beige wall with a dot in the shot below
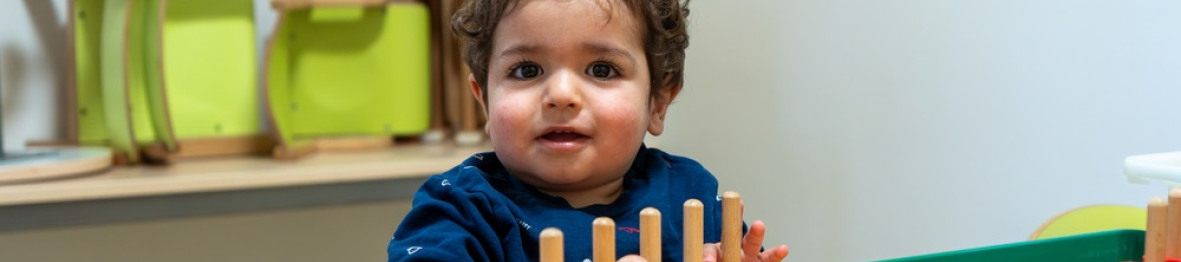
(864, 129)
(357, 232)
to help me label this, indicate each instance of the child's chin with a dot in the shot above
(564, 180)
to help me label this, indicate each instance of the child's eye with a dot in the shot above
(602, 71)
(525, 71)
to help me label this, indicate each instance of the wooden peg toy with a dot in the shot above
(1154, 237)
(693, 232)
(651, 246)
(731, 227)
(604, 238)
(650, 234)
(551, 245)
(1173, 225)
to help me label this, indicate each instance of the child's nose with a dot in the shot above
(563, 92)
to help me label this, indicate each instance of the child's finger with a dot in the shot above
(754, 238)
(776, 254)
(632, 258)
(710, 253)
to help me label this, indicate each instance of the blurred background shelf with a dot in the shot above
(211, 186)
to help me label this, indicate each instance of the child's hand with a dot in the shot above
(632, 258)
(750, 247)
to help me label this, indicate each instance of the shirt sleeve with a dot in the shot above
(442, 225)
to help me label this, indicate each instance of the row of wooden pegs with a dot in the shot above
(1162, 238)
(650, 235)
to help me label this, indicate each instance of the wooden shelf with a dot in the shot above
(236, 174)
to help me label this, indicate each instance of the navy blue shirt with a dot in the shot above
(478, 212)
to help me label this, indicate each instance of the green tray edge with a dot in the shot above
(1112, 245)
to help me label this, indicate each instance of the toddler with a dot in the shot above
(570, 88)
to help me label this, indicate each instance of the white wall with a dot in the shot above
(32, 69)
(875, 129)
(861, 129)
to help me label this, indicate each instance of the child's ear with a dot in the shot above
(478, 93)
(660, 102)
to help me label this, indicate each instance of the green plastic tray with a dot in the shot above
(1105, 246)
(349, 71)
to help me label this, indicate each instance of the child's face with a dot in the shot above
(568, 93)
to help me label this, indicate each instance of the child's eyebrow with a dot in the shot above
(519, 49)
(592, 47)
(600, 48)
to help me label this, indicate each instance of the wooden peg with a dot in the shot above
(650, 234)
(551, 245)
(1154, 238)
(731, 227)
(604, 238)
(1173, 224)
(693, 231)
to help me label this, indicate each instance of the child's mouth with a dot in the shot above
(563, 140)
(562, 136)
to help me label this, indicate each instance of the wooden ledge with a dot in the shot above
(241, 173)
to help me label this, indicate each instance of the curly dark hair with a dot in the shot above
(665, 37)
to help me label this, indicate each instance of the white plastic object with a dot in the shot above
(1163, 167)
(469, 138)
(434, 136)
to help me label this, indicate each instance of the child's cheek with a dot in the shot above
(628, 120)
(507, 118)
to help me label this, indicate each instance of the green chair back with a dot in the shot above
(349, 71)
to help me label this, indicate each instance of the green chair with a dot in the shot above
(87, 122)
(207, 102)
(351, 71)
(165, 78)
(122, 84)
